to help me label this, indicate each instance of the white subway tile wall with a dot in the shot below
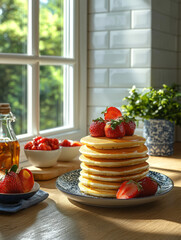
(141, 58)
(109, 21)
(130, 42)
(164, 41)
(98, 78)
(130, 38)
(165, 45)
(127, 77)
(109, 58)
(98, 40)
(141, 19)
(98, 6)
(120, 5)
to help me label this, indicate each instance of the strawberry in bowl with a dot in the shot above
(70, 150)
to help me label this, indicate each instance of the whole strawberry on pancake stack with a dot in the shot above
(111, 154)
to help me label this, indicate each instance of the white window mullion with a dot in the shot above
(33, 70)
(33, 27)
(33, 99)
(66, 91)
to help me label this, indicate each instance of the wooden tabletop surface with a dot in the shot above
(59, 218)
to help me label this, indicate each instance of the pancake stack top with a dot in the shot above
(106, 162)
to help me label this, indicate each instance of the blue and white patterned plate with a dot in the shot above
(68, 184)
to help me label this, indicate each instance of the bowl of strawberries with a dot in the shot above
(70, 150)
(43, 152)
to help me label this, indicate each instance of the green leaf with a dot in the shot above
(150, 103)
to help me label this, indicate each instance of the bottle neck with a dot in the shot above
(6, 130)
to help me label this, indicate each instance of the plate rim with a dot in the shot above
(94, 198)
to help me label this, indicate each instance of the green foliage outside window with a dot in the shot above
(13, 78)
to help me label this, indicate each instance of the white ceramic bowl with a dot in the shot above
(69, 153)
(39, 158)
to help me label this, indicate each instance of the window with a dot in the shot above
(43, 67)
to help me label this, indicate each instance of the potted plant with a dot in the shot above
(161, 111)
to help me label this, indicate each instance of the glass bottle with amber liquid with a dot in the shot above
(9, 146)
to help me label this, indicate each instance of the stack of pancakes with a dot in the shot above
(106, 162)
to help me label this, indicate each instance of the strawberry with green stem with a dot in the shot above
(11, 183)
(115, 129)
(129, 125)
(96, 128)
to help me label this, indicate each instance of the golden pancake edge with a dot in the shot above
(109, 143)
(104, 162)
(122, 153)
(115, 171)
(136, 176)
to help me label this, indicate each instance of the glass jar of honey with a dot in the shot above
(9, 146)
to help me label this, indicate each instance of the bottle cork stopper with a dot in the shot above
(5, 108)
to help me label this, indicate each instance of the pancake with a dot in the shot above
(115, 171)
(97, 192)
(106, 163)
(99, 184)
(109, 143)
(136, 176)
(103, 162)
(123, 153)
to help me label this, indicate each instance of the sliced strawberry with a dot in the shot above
(28, 145)
(76, 144)
(112, 113)
(149, 186)
(129, 125)
(114, 129)
(96, 128)
(27, 179)
(43, 147)
(128, 189)
(65, 143)
(36, 140)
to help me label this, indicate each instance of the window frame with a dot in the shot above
(34, 61)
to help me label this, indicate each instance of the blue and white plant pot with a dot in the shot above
(159, 136)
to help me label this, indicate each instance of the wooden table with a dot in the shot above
(58, 218)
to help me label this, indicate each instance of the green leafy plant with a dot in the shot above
(150, 103)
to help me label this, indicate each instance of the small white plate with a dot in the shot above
(68, 184)
(16, 197)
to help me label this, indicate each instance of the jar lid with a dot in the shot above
(5, 108)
